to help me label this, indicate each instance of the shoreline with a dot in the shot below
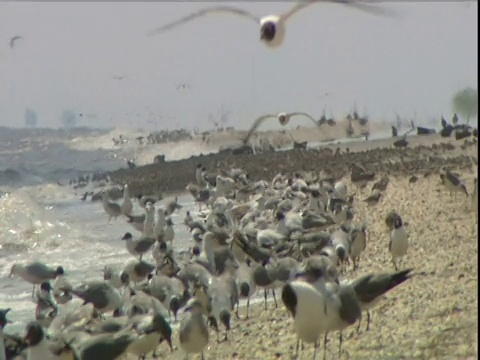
(427, 153)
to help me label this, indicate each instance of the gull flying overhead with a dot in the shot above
(119, 77)
(13, 39)
(283, 119)
(272, 27)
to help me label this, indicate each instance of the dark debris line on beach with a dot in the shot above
(174, 176)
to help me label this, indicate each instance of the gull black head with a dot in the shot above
(127, 236)
(244, 289)
(162, 246)
(225, 319)
(398, 223)
(34, 333)
(279, 215)
(268, 31)
(45, 286)
(3, 318)
(289, 299)
(199, 166)
(124, 278)
(196, 250)
(341, 253)
(164, 328)
(311, 273)
(175, 305)
(59, 271)
(315, 193)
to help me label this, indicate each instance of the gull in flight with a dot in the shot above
(13, 39)
(283, 119)
(119, 77)
(272, 27)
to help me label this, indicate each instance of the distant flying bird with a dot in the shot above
(272, 27)
(183, 86)
(283, 119)
(119, 77)
(13, 39)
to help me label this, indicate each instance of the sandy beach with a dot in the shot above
(432, 316)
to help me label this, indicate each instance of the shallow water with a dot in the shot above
(65, 231)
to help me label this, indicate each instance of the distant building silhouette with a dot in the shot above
(31, 118)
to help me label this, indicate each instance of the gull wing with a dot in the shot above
(366, 6)
(256, 124)
(13, 39)
(216, 9)
(305, 114)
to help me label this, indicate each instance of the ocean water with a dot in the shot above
(42, 220)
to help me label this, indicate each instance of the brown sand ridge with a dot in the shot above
(424, 154)
(432, 316)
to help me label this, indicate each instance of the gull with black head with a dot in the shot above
(272, 27)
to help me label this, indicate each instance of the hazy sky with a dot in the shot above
(70, 51)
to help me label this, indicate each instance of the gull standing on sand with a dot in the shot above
(112, 209)
(398, 244)
(193, 333)
(151, 330)
(308, 308)
(103, 296)
(172, 206)
(272, 27)
(283, 119)
(358, 243)
(371, 288)
(341, 304)
(169, 232)
(138, 247)
(127, 205)
(159, 228)
(149, 223)
(341, 244)
(35, 272)
(246, 285)
(453, 183)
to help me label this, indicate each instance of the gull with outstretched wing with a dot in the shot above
(283, 118)
(272, 27)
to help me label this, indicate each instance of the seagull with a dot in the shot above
(272, 27)
(398, 245)
(193, 333)
(283, 119)
(453, 183)
(127, 206)
(38, 346)
(46, 309)
(371, 288)
(119, 77)
(13, 39)
(35, 272)
(138, 247)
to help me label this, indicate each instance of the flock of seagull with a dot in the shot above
(295, 235)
